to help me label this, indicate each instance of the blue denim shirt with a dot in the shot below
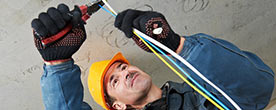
(242, 75)
(62, 88)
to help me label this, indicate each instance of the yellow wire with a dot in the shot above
(183, 78)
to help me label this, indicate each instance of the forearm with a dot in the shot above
(61, 86)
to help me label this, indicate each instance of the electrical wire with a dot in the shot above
(111, 9)
(186, 63)
(107, 10)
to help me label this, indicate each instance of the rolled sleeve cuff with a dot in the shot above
(59, 67)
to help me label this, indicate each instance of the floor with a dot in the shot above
(250, 24)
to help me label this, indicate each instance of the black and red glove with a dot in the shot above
(146, 22)
(53, 21)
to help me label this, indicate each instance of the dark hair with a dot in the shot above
(109, 100)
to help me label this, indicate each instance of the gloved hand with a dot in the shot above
(146, 22)
(53, 21)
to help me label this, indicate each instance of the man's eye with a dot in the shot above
(115, 82)
(124, 67)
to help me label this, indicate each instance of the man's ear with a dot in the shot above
(119, 105)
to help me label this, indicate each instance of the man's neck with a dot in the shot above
(154, 94)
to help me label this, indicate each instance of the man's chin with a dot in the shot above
(142, 85)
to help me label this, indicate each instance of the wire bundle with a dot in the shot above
(148, 42)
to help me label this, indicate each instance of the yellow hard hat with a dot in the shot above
(96, 78)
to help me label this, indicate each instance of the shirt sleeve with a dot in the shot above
(240, 74)
(62, 88)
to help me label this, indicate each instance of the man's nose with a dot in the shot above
(124, 75)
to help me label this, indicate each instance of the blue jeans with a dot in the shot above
(240, 74)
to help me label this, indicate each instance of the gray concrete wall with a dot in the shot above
(250, 24)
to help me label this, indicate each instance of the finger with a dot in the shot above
(119, 19)
(48, 23)
(76, 18)
(64, 10)
(39, 27)
(57, 17)
(127, 23)
(136, 22)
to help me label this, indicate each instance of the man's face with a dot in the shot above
(126, 83)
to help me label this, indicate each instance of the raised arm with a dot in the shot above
(61, 84)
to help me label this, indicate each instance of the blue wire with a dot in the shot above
(107, 10)
(208, 93)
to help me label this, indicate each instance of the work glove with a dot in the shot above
(52, 22)
(146, 22)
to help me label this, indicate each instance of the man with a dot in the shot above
(241, 74)
(124, 86)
